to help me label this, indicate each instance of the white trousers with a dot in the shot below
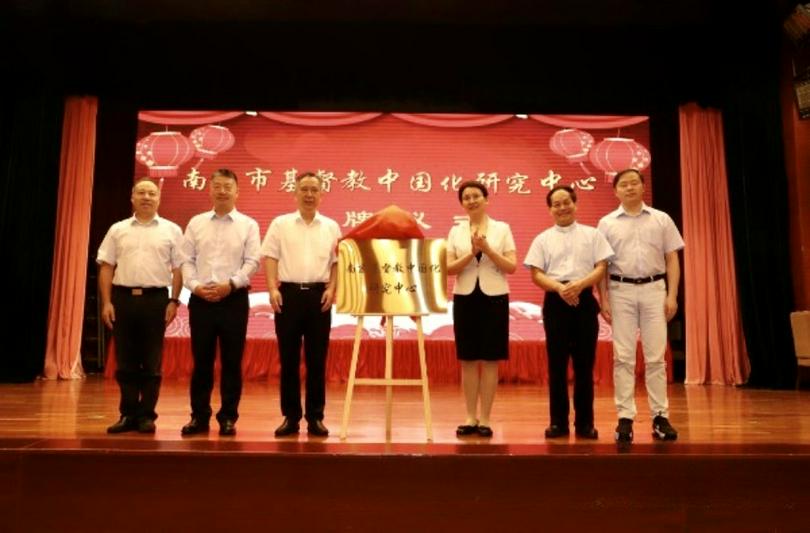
(637, 308)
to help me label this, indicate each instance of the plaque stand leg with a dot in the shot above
(388, 381)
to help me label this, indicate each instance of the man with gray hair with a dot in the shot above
(301, 267)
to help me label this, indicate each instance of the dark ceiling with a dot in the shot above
(453, 55)
(537, 12)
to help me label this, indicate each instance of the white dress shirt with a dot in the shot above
(568, 253)
(490, 278)
(143, 254)
(305, 252)
(640, 241)
(220, 249)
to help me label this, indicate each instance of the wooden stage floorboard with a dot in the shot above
(742, 463)
(713, 416)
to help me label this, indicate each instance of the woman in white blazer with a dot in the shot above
(480, 253)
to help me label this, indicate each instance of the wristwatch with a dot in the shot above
(175, 301)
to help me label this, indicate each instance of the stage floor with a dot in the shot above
(73, 415)
(741, 464)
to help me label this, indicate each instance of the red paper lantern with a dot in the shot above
(572, 144)
(163, 152)
(211, 140)
(615, 154)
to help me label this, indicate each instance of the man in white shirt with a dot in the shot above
(566, 260)
(138, 259)
(301, 267)
(641, 294)
(222, 249)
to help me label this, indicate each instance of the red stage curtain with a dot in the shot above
(444, 120)
(715, 346)
(440, 120)
(452, 120)
(187, 118)
(62, 356)
(589, 121)
(319, 118)
(190, 118)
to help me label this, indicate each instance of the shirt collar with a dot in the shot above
(230, 215)
(490, 222)
(154, 222)
(621, 211)
(298, 218)
(566, 229)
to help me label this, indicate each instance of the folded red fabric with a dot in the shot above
(391, 222)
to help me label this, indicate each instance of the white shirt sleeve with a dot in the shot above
(335, 238)
(535, 256)
(509, 240)
(602, 250)
(250, 261)
(452, 237)
(177, 257)
(107, 252)
(672, 237)
(189, 251)
(272, 241)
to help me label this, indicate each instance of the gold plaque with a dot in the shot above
(392, 277)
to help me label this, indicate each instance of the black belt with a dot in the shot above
(138, 291)
(637, 281)
(315, 285)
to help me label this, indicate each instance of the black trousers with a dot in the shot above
(571, 331)
(302, 319)
(224, 321)
(140, 322)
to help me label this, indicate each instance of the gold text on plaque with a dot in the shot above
(392, 277)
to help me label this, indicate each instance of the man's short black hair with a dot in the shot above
(225, 173)
(567, 188)
(618, 175)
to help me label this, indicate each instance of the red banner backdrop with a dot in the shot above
(416, 161)
(372, 160)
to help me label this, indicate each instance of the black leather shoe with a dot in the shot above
(227, 428)
(317, 429)
(146, 425)
(484, 431)
(663, 430)
(554, 431)
(624, 430)
(288, 427)
(467, 430)
(589, 432)
(195, 426)
(124, 424)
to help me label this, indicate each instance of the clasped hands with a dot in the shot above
(569, 292)
(213, 292)
(479, 244)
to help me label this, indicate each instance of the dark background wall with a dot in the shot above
(574, 56)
